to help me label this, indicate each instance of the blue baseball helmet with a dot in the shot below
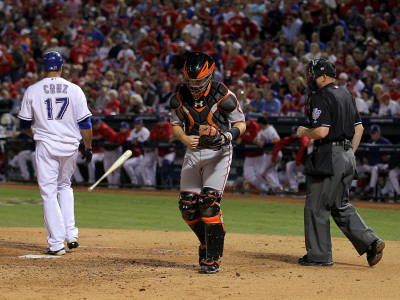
(52, 61)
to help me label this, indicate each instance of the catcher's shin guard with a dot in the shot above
(189, 207)
(211, 214)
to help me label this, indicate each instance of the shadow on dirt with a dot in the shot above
(279, 257)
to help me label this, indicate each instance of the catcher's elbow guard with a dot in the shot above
(234, 133)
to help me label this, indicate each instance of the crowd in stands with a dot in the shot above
(128, 55)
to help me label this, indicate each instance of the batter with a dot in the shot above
(62, 119)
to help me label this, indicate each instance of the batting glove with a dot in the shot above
(87, 154)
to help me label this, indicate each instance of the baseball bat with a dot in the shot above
(114, 166)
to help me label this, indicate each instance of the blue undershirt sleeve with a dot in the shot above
(85, 124)
(24, 124)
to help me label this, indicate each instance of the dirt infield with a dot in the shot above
(132, 264)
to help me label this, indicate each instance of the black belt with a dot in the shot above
(341, 143)
(345, 144)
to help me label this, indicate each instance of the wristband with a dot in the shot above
(235, 132)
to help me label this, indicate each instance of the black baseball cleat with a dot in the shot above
(73, 243)
(202, 254)
(374, 252)
(304, 261)
(209, 266)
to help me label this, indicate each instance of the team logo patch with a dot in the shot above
(315, 114)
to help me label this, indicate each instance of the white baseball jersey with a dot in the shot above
(141, 136)
(56, 106)
(268, 133)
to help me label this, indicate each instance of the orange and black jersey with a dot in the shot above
(219, 108)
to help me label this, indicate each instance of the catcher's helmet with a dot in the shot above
(52, 61)
(198, 69)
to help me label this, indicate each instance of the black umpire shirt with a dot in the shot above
(335, 108)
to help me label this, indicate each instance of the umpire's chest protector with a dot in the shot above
(212, 109)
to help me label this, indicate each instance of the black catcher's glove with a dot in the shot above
(87, 154)
(211, 138)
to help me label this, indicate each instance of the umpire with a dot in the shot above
(335, 125)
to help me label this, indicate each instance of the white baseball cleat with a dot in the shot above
(58, 252)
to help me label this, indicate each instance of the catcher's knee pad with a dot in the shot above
(189, 207)
(209, 200)
(209, 203)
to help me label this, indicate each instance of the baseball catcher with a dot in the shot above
(206, 117)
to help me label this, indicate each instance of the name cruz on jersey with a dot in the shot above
(55, 88)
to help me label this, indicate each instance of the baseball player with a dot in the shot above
(61, 119)
(293, 166)
(103, 132)
(203, 103)
(373, 163)
(162, 130)
(269, 135)
(254, 161)
(394, 174)
(138, 136)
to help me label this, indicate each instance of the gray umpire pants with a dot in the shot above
(329, 196)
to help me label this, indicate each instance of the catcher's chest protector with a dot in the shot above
(206, 110)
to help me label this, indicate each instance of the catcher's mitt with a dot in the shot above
(211, 138)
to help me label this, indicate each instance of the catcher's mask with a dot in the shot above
(316, 68)
(198, 69)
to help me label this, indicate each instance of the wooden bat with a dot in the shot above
(116, 165)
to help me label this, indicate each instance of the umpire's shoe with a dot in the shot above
(304, 261)
(73, 243)
(374, 252)
(210, 266)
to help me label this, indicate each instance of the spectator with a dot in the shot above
(149, 47)
(388, 107)
(361, 102)
(234, 62)
(394, 92)
(358, 85)
(6, 102)
(149, 97)
(94, 34)
(137, 104)
(288, 107)
(126, 102)
(114, 104)
(377, 91)
(292, 27)
(343, 77)
(272, 104)
(257, 104)
(194, 29)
